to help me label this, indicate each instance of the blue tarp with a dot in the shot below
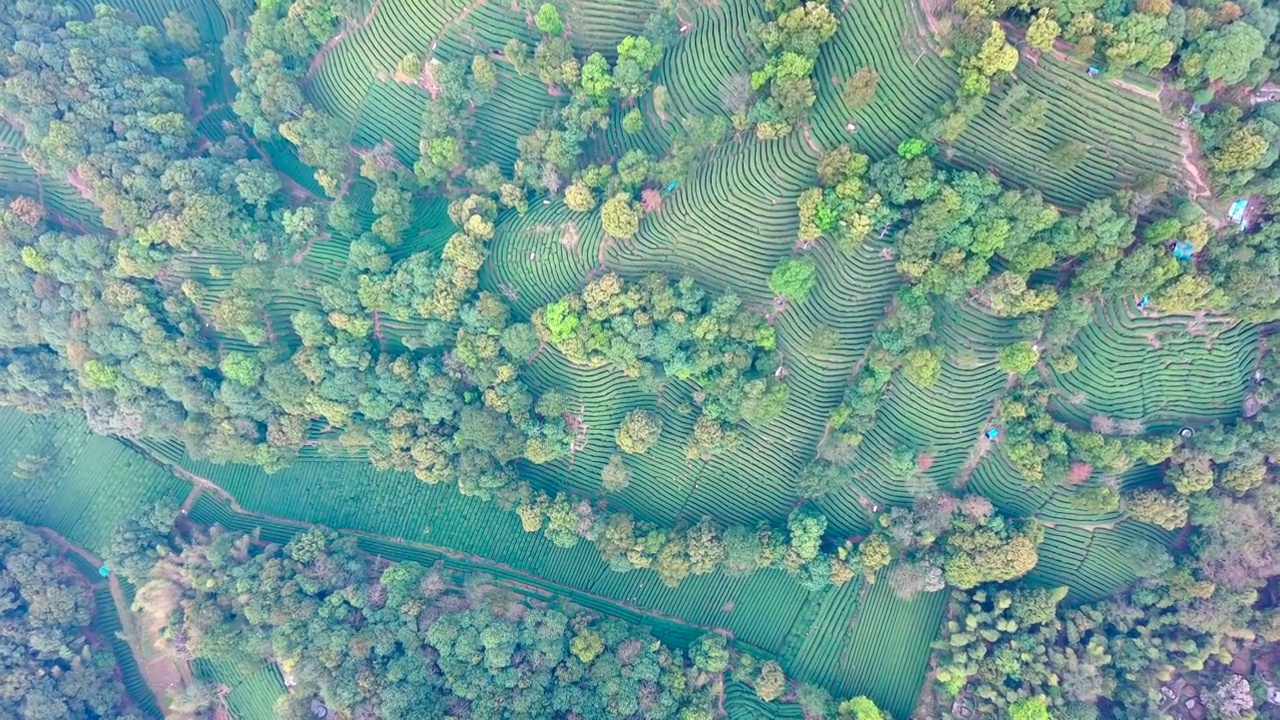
(1145, 301)
(992, 433)
(1236, 213)
(104, 571)
(1183, 250)
(673, 185)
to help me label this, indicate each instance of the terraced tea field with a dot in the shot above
(728, 223)
(1141, 367)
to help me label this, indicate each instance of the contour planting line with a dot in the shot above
(529, 580)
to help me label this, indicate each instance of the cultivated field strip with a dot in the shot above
(888, 651)
(106, 625)
(1127, 134)
(818, 659)
(1085, 551)
(252, 690)
(206, 15)
(17, 177)
(1094, 563)
(717, 47)
(1160, 370)
(745, 201)
(351, 495)
(538, 258)
(668, 622)
(741, 703)
(914, 81)
(939, 426)
(79, 465)
(599, 25)
(517, 107)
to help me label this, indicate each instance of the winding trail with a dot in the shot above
(346, 30)
(1197, 185)
(162, 673)
(530, 582)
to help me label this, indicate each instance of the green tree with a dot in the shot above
(860, 90)
(1018, 358)
(579, 197)
(794, 278)
(710, 653)
(922, 366)
(639, 431)
(874, 554)
(1230, 52)
(1243, 149)
(633, 121)
(912, 148)
(548, 20)
(771, 682)
(860, 708)
(1166, 510)
(620, 216)
(587, 645)
(615, 476)
(1043, 30)
(1029, 709)
(137, 543)
(240, 367)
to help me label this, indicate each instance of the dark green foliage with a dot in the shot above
(653, 329)
(395, 640)
(141, 540)
(791, 42)
(51, 668)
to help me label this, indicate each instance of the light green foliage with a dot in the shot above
(793, 279)
(637, 56)
(615, 476)
(633, 121)
(922, 366)
(586, 646)
(860, 708)
(710, 653)
(912, 148)
(1029, 709)
(579, 197)
(597, 80)
(1166, 510)
(1018, 358)
(241, 368)
(874, 553)
(548, 19)
(1042, 31)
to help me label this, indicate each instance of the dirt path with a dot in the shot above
(346, 30)
(457, 19)
(1197, 185)
(808, 139)
(163, 674)
(530, 581)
